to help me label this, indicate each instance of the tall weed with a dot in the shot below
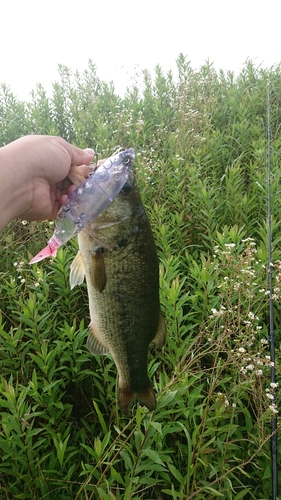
(200, 138)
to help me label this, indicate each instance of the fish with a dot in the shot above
(118, 257)
(88, 200)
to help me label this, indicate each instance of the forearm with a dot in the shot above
(14, 192)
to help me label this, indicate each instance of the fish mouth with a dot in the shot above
(128, 184)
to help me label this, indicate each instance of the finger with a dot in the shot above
(77, 175)
(63, 199)
(80, 156)
(70, 189)
(64, 196)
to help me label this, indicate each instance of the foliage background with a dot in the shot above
(201, 143)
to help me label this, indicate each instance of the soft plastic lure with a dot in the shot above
(89, 200)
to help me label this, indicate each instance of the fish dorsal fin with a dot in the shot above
(77, 271)
(94, 345)
(160, 336)
(98, 273)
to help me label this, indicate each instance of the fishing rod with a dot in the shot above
(271, 312)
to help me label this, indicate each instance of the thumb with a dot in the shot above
(80, 156)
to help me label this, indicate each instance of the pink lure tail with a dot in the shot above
(49, 251)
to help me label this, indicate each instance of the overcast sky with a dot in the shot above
(37, 35)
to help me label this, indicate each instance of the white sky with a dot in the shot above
(120, 35)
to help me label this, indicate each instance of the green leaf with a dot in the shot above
(116, 476)
(153, 455)
(101, 419)
(89, 450)
(242, 493)
(61, 448)
(214, 492)
(176, 473)
(98, 448)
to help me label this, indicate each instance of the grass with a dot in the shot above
(200, 138)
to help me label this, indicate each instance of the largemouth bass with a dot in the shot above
(117, 254)
(89, 200)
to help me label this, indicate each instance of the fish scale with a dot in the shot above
(117, 254)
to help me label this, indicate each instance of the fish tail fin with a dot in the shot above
(127, 398)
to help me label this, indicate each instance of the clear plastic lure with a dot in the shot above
(89, 200)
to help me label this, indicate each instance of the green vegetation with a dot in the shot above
(200, 138)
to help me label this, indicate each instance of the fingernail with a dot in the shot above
(90, 151)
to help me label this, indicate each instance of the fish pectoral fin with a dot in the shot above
(94, 345)
(77, 271)
(160, 336)
(98, 273)
(103, 223)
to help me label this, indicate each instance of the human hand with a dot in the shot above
(34, 172)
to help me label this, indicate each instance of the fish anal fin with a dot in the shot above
(94, 344)
(77, 271)
(127, 398)
(160, 336)
(98, 273)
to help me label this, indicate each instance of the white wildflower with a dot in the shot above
(250, 367)
(247, 239)
(217, 313)
(269, 396)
